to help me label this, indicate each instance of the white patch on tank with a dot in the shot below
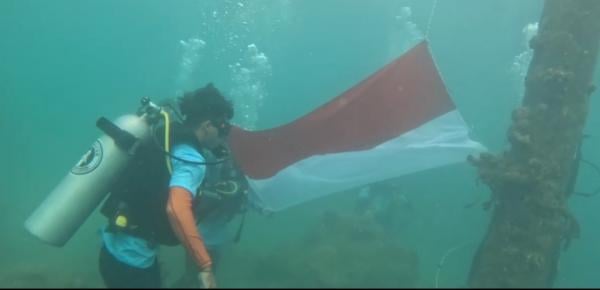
(90, 160)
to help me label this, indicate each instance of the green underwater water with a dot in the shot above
(64, 63)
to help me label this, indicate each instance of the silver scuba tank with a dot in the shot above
(84, 187)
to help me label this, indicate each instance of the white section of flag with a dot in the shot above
(439, 142)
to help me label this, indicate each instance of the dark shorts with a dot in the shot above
(116, 274)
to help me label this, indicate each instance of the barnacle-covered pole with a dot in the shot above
(531, 222)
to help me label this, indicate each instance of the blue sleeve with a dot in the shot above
(187, 175)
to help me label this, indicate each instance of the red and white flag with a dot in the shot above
(400, 120)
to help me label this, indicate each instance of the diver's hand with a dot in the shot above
(207, 278)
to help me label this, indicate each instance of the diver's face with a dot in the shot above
(209, 135)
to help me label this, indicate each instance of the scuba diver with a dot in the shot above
(185, 196)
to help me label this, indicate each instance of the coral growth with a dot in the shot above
(530, 181)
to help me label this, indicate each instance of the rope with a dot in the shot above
(597, 169)
(430, 19)
(443, 261)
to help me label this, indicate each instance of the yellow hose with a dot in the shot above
(167, 139)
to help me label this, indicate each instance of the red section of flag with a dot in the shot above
(396, 99)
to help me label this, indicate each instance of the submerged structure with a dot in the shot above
(532, 180)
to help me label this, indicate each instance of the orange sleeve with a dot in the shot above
(181, 217)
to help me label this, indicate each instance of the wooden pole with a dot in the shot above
(529, 182)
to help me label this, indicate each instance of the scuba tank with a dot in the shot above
(72, 201)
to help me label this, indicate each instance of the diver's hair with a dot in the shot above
(203, 104)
